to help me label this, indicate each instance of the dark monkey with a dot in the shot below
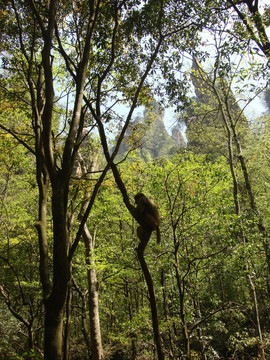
(148, 215)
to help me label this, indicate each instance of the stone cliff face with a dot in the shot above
(155, 141)
(205, 128)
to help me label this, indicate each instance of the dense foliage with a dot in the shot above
(74, 153)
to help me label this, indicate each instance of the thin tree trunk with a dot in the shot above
(231, 129)
(128, 295)
(67, 325)
(261, 354)
(196, 304)
(41, 226)
(93, 287)
(27, 323)
(166, 311)
(84, 318)
(89, 242)
(152, 296)
(181, 290)
(253, 205)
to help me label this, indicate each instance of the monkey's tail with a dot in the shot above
(158, 236)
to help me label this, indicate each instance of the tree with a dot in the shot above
(91, 55)
(252, 23)
(18, 247)
(232, 119)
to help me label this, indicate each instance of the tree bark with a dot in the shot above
(261, 353)
(53, 333)
(231, 132)
(67, 325)
(230, 124)
(166, 311)
(84, 318)
(86, 168)
(181, 289)
(152, 297)
(54, 306)
(95, 333)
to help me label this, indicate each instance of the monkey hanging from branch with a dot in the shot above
(148, 218)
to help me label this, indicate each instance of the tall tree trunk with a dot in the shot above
(53, 332)
(261, 354)
(252, 200)
(225, 107)
(181, 289)
(166, 310)
(55, 305)
(84, 318)
(129, 297)
(41, 226)
(231, 129)
(202, 341)
(95, 333)
(86, 168)
(67, 325)
(152, 296)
